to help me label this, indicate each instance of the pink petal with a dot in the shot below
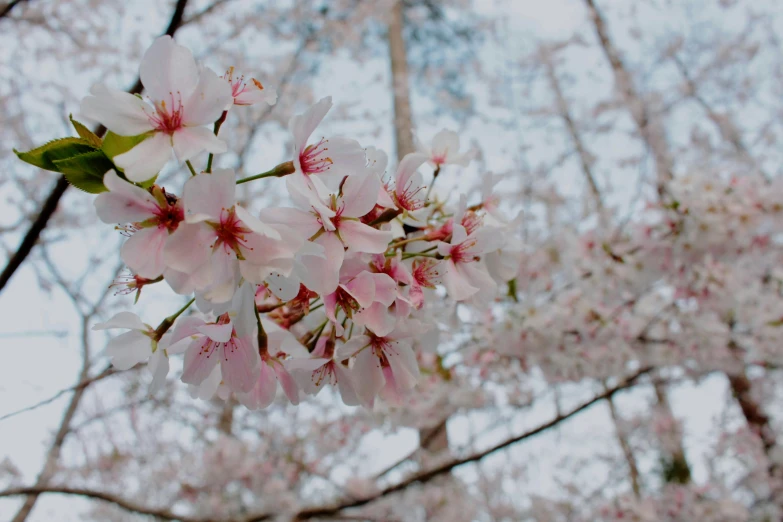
(359, 237)
(287, 382)
(189, 247)
(368, 377)
(184, 328)
(210, 98)
(121, 112)
(122, 320)
(362, 288)
(168, 69)
(255, 224)
(191, 141)
(350, 348)
(303, 125)
(405, 170)
(209, 194)
(263, 392)
(201, 358)
(360, 192)
(322, 274)
(376, 318)
(345, 385)
(239, 364)
(125, 202)
(143, 252)
(146, 159)
(385, 289)
(457, 285)
(220, 333)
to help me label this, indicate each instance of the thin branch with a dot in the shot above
(330, 511)
(564, 112)
(651, 131)
(6, 9)
(107, 372)
(426, 476)
(118, 501)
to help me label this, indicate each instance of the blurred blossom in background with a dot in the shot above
(615, 166)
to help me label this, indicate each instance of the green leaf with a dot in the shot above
(45, 155)
(114, 145)
(86, 171)
(85, 133)
(148, 183)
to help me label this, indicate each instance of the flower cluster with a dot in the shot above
(330, 291)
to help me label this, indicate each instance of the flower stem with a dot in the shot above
(164, 326)
(434, 177)
(423, 253)
(190, 166)
(262, 337)
(216, 130)
(278, 172)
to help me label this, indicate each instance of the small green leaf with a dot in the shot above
(114, 145)
(148, 183)
(45, 155)
(86, 171)
(85, 133)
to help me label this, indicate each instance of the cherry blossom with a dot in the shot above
(311, 374)
(335, 234)
(444, 150)
(220, 239)
(464, 276)
(183, 100)
(249, 93)
(228, 341)
(154, 213)
(329, 159)
(279, 344)
(384, 364)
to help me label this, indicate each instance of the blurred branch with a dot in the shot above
(6, 9)
(426, 476)
(125, 504)
(585, 158)
(651, 131)
(108, 371)
(329, 511)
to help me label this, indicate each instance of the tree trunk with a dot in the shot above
(403, 123)
(436, 438)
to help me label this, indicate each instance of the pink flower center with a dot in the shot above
(439, 159)
(346, 301)
(471, 221)
(169, 217)
(381, 348)
(168, 116)
(425, 272)
(461, 253)
(230, 232)
(410, 197)
(314, 159)
(325, 373)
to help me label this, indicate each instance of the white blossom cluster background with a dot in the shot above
(391, 260)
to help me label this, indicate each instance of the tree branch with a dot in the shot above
(6, 9)
(426, 476)
(317, 512)
(125, 504)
